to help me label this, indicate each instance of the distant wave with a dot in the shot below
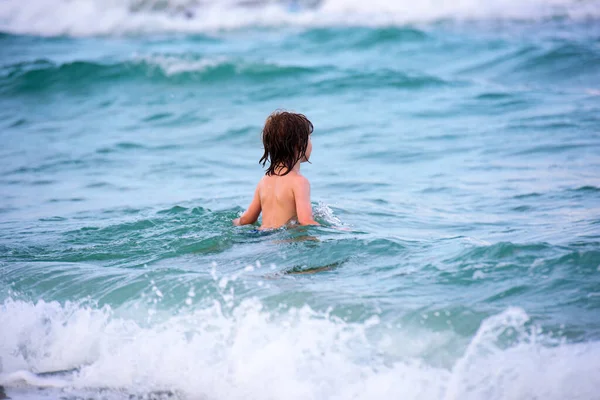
(98, 17)
(40, 75)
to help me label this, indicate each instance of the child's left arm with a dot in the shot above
(251, 214)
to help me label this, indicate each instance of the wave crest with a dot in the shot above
(247, 351)
(98, 17)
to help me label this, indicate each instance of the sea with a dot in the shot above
(455, 173)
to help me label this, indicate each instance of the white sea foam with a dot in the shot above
(248, 352)
(108, 17)
(174, 65)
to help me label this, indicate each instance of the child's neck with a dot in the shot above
(281, 168)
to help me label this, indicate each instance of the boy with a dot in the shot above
(283, 195)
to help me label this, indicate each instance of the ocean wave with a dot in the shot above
(220, 352)
(562, 60)
(358, 38)
(96, 17)
(143, 239)
(40, 75)
(559, 59)
(147, 237)
(381, 78)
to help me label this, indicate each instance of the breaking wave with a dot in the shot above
(97, 17)
(225, 352)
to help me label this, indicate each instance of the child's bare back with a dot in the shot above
(283, 194)
(278, 200)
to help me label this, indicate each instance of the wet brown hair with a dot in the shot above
(285, 139)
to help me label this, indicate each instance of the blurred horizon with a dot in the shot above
(118, 17)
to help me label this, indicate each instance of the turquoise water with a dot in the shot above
(455, 170)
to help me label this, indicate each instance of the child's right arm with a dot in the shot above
(302, 197)
(251, 214)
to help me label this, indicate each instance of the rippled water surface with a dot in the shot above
(455, 170)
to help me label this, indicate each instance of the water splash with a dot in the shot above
(244, 350)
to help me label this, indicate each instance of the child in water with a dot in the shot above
(283, 194)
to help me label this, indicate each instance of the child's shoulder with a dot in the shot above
(300, 183)
(293, 179)
(301, 179)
